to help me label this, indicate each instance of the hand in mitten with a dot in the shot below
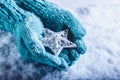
(57, 19)
(28, 30)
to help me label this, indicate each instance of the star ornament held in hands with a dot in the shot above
(56, 41)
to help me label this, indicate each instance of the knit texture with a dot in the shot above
(27, 21)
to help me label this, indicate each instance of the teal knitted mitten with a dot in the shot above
(28, 30)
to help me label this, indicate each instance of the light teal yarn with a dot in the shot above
(27, 21)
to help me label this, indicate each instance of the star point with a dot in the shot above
(56, 41)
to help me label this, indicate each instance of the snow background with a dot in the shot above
(101, 61)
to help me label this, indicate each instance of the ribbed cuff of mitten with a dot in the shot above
(38, 7)
(10, 15)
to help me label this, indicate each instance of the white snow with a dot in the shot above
(73, 4)
(101, 61)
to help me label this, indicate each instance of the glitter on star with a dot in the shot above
(56, 41)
